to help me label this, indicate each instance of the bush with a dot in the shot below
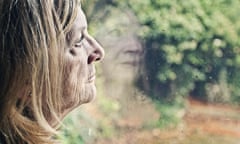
(189, 45)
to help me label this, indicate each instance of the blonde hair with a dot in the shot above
(32, 41)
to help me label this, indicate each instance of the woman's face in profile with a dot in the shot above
(81, 51)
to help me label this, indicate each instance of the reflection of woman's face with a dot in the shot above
(80, 54)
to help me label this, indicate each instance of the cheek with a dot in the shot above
(75, 72)
(75, 77)
(75, 67)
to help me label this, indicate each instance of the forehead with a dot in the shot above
(80, 21)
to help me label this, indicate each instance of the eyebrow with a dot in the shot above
(82, 28)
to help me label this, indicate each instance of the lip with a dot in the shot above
(132, 63)
(91, 78)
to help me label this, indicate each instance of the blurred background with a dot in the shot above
(171, 74)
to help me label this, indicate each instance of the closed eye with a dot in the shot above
(78, 43)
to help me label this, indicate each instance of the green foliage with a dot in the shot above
(109, 109)
(188, 45)
(171, 113)
(78, 128)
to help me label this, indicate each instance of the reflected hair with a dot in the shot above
(32, 42)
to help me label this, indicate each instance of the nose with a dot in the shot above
(97, 53)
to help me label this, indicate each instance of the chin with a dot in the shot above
(85, 94)
(90, 93)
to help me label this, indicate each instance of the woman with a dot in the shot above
(46, 67)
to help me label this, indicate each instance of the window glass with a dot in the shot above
(170, 74)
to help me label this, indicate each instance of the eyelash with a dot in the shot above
(79, 42)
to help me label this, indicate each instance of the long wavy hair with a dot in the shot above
(32, 41)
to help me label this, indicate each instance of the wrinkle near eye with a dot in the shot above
(69, 37)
